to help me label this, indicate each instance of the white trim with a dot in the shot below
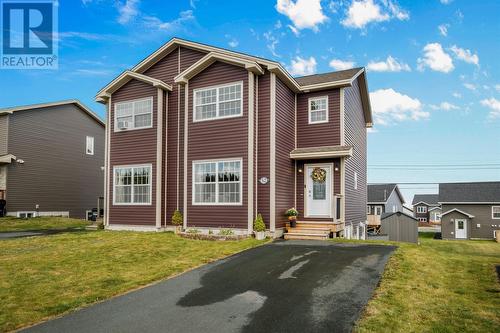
(470, 203)
(107, 190)
(332, 192)
(133, 101)
(217, 101)
(355, 178)
(421, 209)
(186, 130)
(321, 154)
(159, 155)
(272, 155)
(456, 210)
(216, 161)
(251, 129)
(26, 212)
(342, 117)
(425, 203)
(178, 157)
(375, 210)
(465, 228)
(256, 175)
(166, 160)
(492, 216)
(309, 111)
(133, 166)
(126, 227)
(89, 143)
(342, 190)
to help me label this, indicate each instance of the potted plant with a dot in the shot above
(292, 214)
(259, 228)
(177, 220)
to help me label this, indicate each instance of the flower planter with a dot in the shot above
(260, 235)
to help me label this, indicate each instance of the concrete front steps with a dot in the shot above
(310, 230)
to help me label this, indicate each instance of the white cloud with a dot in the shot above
(446, 2)
(128, 11)
(390, 107)
(443, 29)
(272, 42)
(446, 106)
(301, 66)
(233, 43)
(470, 86)
(494, 105)
(304, 14)
(94, 72)
(340, 65)
(389, 65)
(362, 12)
(497, 87)
(156, 23)
(436, 59)
(457, 95)
(465, 55)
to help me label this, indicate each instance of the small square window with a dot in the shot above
(318, 110)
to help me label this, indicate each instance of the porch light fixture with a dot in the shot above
(300, 170)
(336, 168)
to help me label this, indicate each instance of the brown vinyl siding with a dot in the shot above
(4, 130)
(318, 135)
(133, 147)
(355, 135)
(57, 174)
(285, 143)
(482, 216)
(422, 215)
(217, 140)
(301, 188)
(263, 145)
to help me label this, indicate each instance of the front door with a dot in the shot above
(318, 190)
(460, 228)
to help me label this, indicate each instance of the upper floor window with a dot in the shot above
(134, 114)
(421, 209)
(89, 145)
(217, 102)
(132, 185)
(217, 182)
(378, 210)
(368, 210)
(495, 212)
(318, 110)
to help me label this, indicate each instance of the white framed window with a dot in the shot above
(89, 145)
(216, 102)
(368, 210)
(422, 219)
(495, 212)
(132, 184)
(421, 209)
(355, 180)
(134, 114)
(217, 182)
(378, 210)
(26, 215)
(318, 110)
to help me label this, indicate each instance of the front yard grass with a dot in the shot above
(40, 223)
(437, 286)
(46, 276)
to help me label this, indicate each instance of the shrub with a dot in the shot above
(177, 218)
(292, 212)
(193, 231)
(100, 226)
(259, 225)
(226, 232)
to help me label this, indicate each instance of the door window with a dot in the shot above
(319, 190)
(460, 225)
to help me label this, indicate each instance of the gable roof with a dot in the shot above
(304, 84)
(386, 215)
(478, 192)
(76, 102)
(458, 211)
(429, 199)
(380, 193)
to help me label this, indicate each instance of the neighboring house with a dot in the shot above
(399, 227)
(408, 210)
(383, 198)
(51, 159)
(222, 136)
(435, 215)
(470, 210)
(422, 204)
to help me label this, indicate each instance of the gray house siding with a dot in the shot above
(4, 130)
(392, 201)
(482, 217)
(400, 228)
(355, 135)
(57, 174)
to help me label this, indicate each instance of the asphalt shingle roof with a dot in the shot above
(430, 199)
(470, 192)
(380, 192)
(327, 77)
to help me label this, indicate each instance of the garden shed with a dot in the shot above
(400, 227)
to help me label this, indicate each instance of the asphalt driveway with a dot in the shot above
(290, 286)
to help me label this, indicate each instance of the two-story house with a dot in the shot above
(51, 159)
(382, 198)
(423, 204)
(470, 210)
(222, 136)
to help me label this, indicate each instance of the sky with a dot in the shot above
(432, 67)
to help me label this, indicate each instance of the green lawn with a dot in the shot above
(437, 286)
(45, 276)
(40, 223)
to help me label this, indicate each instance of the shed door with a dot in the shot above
(461, 228)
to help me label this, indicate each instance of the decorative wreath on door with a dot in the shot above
(318, 175)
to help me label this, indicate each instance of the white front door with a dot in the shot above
(318, 192)
(460, 228)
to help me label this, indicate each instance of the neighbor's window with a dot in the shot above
(218, 102)
(318, 110)
(421, 209)
(495, 212)
(134, 114)
(378, 210)
(217, 182)
(132, 185)
(368, 210)
(422, 219)
(89, 150)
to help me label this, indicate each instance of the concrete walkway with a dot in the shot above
(286, 286)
